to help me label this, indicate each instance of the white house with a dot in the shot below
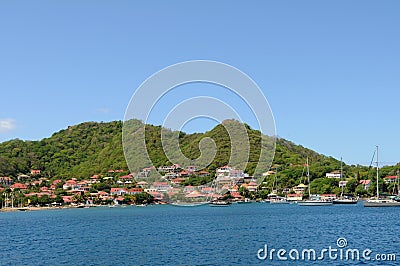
(334, 174)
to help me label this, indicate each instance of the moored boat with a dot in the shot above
(378, 201)
(219, 203)
(313, 201)
(278, 200)
(343, 200)
(188, 204)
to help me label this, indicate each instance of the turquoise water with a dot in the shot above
(168, 235)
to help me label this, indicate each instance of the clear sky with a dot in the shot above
(329, 69)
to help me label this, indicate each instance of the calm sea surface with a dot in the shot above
(168, 235)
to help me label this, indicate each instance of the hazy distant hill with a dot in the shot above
(93, 148)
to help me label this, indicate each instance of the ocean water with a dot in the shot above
(168, 235)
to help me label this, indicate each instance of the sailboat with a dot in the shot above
(274, 198)
(342, 199)
(312, 201)
(377, 201)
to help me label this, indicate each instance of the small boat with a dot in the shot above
(188, 204)
(278, 200)
(312, 201)
(378, 201)
(219, 203)
(343, 200)
(112, 206)
(23, 209)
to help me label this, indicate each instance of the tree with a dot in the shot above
(44, 200)
(143, 198)
(227, 196)
(78, 198)
(351, 186)
(244, 192)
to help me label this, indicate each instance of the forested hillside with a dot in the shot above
(93, 148)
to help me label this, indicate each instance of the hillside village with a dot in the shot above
(121, 187)
(85, 163)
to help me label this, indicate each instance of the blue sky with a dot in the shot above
(329, 69)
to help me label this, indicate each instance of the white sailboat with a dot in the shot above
(274, 198)
(312, 201)
(342, 199)
(378, 201)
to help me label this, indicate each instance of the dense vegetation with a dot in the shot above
(93, 148)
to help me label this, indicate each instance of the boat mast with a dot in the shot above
(309, 184)
(275, 184)
(377, 173)
(398, 184)
(341, 174)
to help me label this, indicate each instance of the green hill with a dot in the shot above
(92, 148)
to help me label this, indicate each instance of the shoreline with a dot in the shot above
(9, 209)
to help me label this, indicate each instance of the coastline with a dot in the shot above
(33, 209)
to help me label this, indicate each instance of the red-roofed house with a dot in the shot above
(161, 186)
(203, 173)
(35, 172)
(142, 183)
(18, 186)
(70, 184)
(177, 181)
(252, 186)
(126, 179)
(118, 191)
(194, 194)
(236, 195)
(184, 173)
(390, 179)
(94, 179)
(44, 189)
(36, 182)
(57, 181)
(366, 184)
(67, 199)
(103, 195)
(156, 195)
(136, 190)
